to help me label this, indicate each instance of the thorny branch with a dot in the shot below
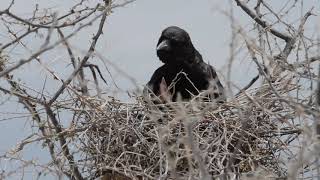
(263, 23)
(81, 16)
(88, 137)
(84, 60)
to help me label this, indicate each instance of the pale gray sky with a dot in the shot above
(129, 41)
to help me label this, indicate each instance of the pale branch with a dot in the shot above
(45, 49)
(317, 101)
(84, 88)
(122, 4)
(93, 67)
(305, 62)
(7, 12)
(30, 103)
(63, 143)
(263, 23)
(291, 43)
(35, 29)
(22, 96)
(253, 80)
(84, 60)
(275, 14)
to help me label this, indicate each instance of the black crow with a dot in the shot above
(184, 72)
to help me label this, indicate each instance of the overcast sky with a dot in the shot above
(129, 41)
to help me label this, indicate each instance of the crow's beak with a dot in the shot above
(164, 45)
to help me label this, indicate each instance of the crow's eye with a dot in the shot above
(176, 42)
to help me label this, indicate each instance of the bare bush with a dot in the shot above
(267, 130)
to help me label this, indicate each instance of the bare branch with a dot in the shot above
(262, 23)
(84, 60)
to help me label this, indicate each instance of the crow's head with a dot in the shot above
(175, 46)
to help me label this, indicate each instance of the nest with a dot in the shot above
(188, 139)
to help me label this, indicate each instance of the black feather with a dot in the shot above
(184, 70)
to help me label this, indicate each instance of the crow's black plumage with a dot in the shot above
(184, 72)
